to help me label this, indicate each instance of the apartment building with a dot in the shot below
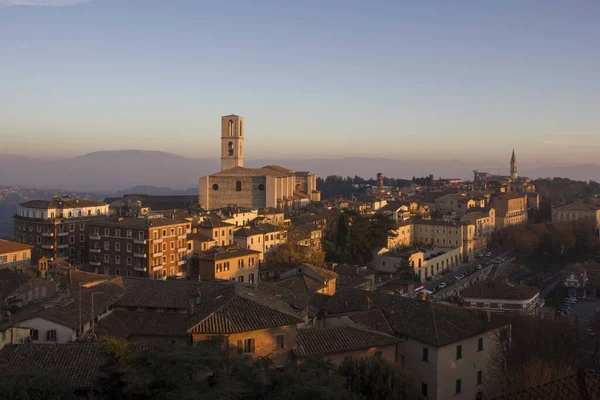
(511, 209)
(576, 211)
(14, 254)
(484, 222)
(149, 246)
(425, 263)
(502, 297)
(56, 228)
(263, 238)
(220, 231)
(230, 263)
(457, 204)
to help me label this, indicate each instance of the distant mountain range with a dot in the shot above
(118, 170)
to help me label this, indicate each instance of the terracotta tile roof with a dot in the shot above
(579, 206)
(11, 281)
(427, 322)
(372, 319)
(316, 342)
(301, 284)
(78, 363)
(62, 203)
(7, 246)
(246, 232)
(576, 268)
(219, 254)
(199, 237)
(499, 290)
(322, 272)
(242, 309)
(212, 222)
(351, 281)
(124, 324)
(169, 294)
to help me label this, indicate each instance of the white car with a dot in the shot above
(571, 300)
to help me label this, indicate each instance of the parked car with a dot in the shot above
(488, 254)
(571, 300)
(443, 285)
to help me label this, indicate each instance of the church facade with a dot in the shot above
(236, 185)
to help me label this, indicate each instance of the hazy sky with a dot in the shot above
(401, 79)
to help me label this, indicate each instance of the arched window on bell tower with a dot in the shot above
(230, 148)
(230, 128)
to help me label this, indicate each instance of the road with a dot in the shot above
(449, 277)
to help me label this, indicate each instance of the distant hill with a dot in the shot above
(119, 170)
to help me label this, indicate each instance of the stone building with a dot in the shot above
(576, 211)
(511, 209)
(235, 185)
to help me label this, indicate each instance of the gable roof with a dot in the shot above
(316, 341)
(372, 319)
(301, 283)
(11, 281)
(123, 324)
(78, 363)
(241, 309)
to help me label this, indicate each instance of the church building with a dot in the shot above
(235, 185)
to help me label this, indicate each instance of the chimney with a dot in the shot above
(191, 307)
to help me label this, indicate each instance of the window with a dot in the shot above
(486, 305)
(128, 260)
(500, 306)
(35, 334)
(425, 354)
(117, 232)
(164, 247)
(117, 272)
(129, 247)
(72, 239)
(459, 352)
(251, 278)
(215, 187)
(226, 266)
(39, 240)
(155, 234)
(106, 259)
(172, 231)
(117, 246)
(424, 389)
(81, 237)
(164, 259)
(479, 377)
(107, 246)
(72, 227)
(106, 271)
(106, 232)
(473, 305)
(164, 232)
(245, 346)
(173, 245)
(172, 257)
(238, 186)
(280, 341)
(241, 279)
(172, 271)
(458, 386)
(480, 344)
(118, 260)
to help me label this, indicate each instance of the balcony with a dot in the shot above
(181, 262)
(95, 250)
(140, 241)
(141, 269)
(182, 237)
(157, 254)
(95, 263)
(157, 268)
(63, 246)
(139, 255)
(48, 234)
(157, 241)
(62, 234)
(48, 246)
(182, 250)
(95, 236)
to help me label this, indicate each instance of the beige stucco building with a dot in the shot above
(511, 209)
(484, 222)
(576, 211)
(269, 186)
(14, 254)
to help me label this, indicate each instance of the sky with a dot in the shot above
(445, 80)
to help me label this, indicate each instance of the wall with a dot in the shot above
(15, 258)
(14, 335)
(226, 195)
(64, 334)
(419, 371)
(387, 352)
(265, 342)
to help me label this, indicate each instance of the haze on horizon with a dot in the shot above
(445, 81)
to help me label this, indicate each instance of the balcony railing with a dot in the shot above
(95, 250)
(181, 262)
(157, 254)
(182, 237)
(182, 249)
(48, 246)
(61, 234)
(142, 269)
(95, 263)
(157, 267)
(157, 241)
(63, 246)
(48, 234)
(95, 236)
(140, 241)
(139, 255)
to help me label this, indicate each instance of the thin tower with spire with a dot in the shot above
(513, 166)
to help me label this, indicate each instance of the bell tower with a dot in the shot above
(514, 174)
(232, 138)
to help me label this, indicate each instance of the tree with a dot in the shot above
(293, 253)
(341, 237)
(35, 385)
(377, 379)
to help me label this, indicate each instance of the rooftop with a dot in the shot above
(315, 341)
(62, 203)
(499, 290)
(7, 246)
(579, 206)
